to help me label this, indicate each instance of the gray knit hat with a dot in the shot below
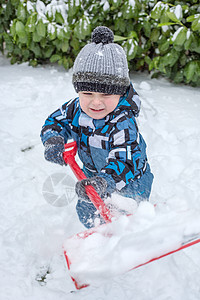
(101, 66)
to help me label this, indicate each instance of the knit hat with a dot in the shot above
(101, 66)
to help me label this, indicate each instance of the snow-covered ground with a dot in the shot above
(32, 231)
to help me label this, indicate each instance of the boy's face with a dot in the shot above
(98, 105)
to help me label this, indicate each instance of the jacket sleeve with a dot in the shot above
(59, 122)
(124, 157)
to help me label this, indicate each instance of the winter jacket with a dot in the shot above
(111, 147)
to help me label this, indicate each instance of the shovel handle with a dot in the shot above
(69, 157)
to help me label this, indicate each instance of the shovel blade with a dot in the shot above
(71, 248)
(84, 253)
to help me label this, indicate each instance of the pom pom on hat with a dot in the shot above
(102, 34)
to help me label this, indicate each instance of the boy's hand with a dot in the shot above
(54, 148)
(99, 183)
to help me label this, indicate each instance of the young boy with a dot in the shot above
(102, 122)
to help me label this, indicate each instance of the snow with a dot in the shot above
(188, 34)
(51, 28)
(85, 22)
(50, 9)
(160, 5)
(145, 86)
(165, 28)
(178, 11)
(32, 231)
(131, 50)
(106, 5)
(30, 7)
(40, 8)
(132, 3)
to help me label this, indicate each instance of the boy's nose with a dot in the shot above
(96, 100)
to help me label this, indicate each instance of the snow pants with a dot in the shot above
(138, 189)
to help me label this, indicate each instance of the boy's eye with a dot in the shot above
(106, 95)
(85, 93)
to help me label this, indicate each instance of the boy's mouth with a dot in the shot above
(96, 110)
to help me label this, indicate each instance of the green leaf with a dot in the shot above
(118, 38)
(127, 11)
(58, 44)
(164, 46)
(60, 34)
(65, 63)
(115, 4)
(35, 48)
(54, 58)
(60, 62)
(63, 33)
(82, 28)
(1, 28)
(120, 25)
(147, 28)
(155, 35)
(156, 61)
(15, 2)
(195, 43)
(140, 64)
(130, 48)
(75, 44)
(21, 12)
(41, 28)
(13, 60)
(20, 31)
(179, 36)
(13, 29)
(31, 22)
(189, 41)
(172, 16)
(17, 51)
(190, 18)
(170, 58)
(178, 77)
(166, 24)
(196, 25)
(36, 38)
(52, 32)
(147, 60)
(133, 34)
(183, 60)
(8, 43)
(156, 12)
(59, 18)
(19, 27)
(73, 7)
(48, 51)
(33, 62)
(8, 10)
(65, 46)
(25, 54)
(43, 43)
(190, 69)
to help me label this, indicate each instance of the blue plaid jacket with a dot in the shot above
(111, 147)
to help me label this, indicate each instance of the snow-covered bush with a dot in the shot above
(162, 37)
(178, 41)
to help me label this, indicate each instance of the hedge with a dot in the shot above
(161, 37)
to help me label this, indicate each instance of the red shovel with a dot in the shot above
(69, 157)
